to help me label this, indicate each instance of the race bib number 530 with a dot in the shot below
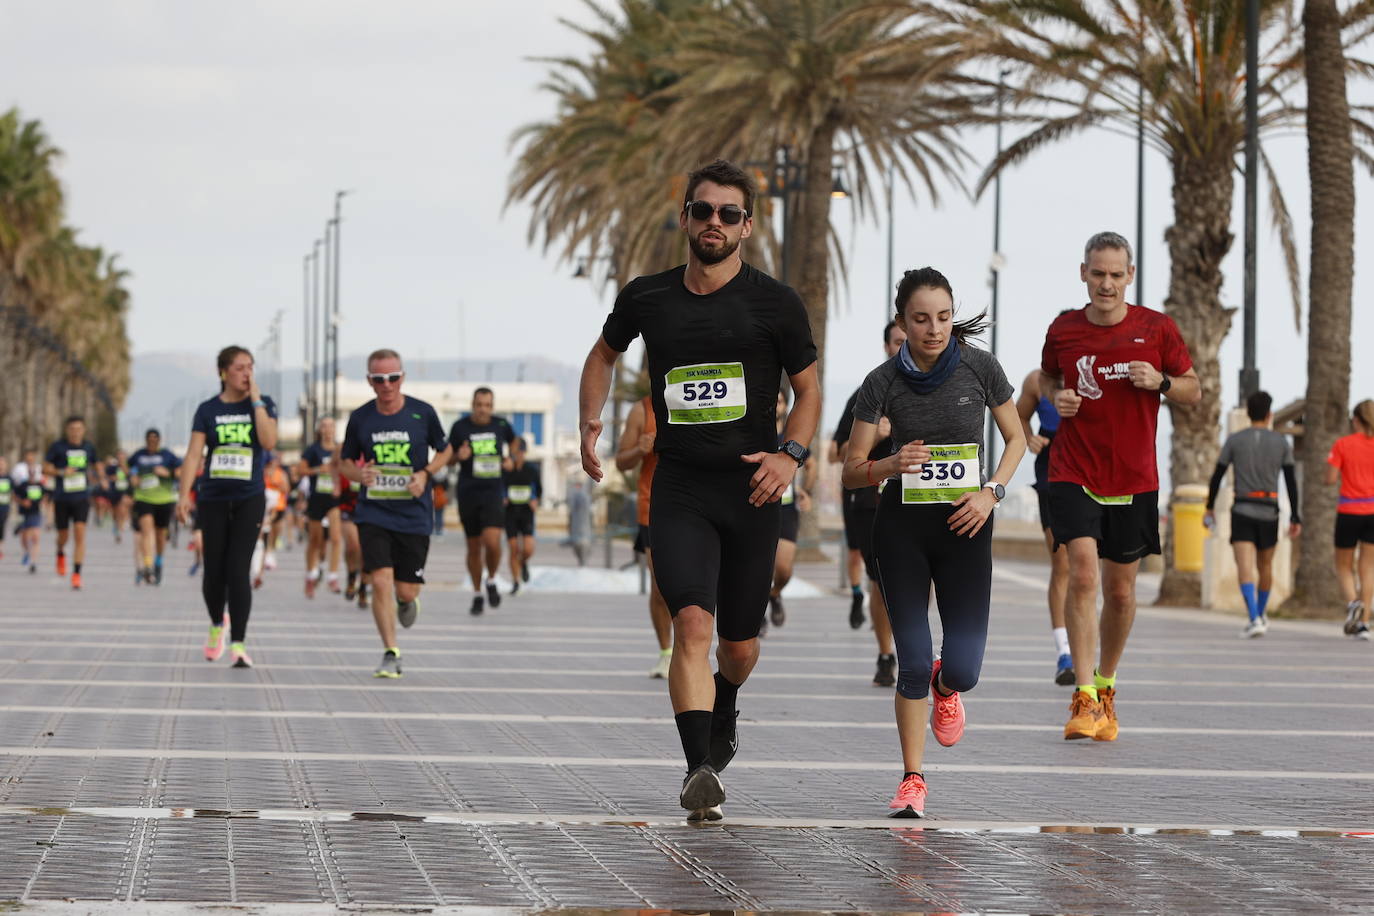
(707, 393)
(951, 472)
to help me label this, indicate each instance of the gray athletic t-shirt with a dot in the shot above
(952, 414)
(1257, 457)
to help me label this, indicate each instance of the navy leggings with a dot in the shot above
(229, 530)
(915, 547)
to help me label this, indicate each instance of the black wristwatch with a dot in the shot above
(796, 451)
(1165, 383)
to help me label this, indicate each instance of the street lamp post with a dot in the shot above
(334, 318)
(1249, 374)
(317, 337)
(998, 261)
(326, 313)
(1140, 195)
(305, 364)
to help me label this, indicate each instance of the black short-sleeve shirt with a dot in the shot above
(482, 469)
(715, 361)
(82, 460)
(398, 445)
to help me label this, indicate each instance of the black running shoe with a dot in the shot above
(515, 588)
(776, 612)
(886, 675)
(157, 575)
(724, 740)
(701, 791)
(478, 606)
(525, 573)
(362, 598)
(856, 611)
(493, 595)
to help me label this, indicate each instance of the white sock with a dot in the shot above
(1061, 640)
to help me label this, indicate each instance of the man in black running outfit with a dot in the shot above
(479, 444)
(718, 334)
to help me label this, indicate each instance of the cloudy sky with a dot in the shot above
(205, 142)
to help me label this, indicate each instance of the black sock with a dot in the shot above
(694, 728)
(910, 773)
(61, 553)
(76, 568)
(726, 694)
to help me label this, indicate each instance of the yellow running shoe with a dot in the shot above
(1108, 729)
(1085, 717)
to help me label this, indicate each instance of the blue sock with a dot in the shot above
(157, 561)
(1247, 590)
(857, 590)
(1263, 601)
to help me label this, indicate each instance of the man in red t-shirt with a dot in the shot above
(1105, 367)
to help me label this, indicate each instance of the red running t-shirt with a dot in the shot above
(1353, 456)
(1109, 446)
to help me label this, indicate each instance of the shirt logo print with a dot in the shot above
(964, 400)
(1087, 385)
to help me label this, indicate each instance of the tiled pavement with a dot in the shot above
(526, 762)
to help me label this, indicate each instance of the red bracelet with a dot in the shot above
(868, 473)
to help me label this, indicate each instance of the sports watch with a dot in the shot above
(999, 492)
(1165, 383)
(796, 451)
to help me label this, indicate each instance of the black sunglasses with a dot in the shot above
(701, 211)
(377, 378)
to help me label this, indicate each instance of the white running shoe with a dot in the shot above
(660, 670)
(1257, 627)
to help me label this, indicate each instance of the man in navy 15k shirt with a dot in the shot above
(386, 448)
(72, 463)
(480, 441)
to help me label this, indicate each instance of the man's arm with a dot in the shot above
(777, 469)
(592, 391)
(631, 454)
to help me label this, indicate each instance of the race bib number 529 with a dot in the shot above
(706, 393)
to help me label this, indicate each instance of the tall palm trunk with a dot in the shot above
(1330, 169)
(808, 263)
(1198, 241)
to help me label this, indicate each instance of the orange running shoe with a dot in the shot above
(61, 565)
(910, 800)
(214, 644)
(1085, 717)
(1108, 729)
(946, 712)
(76, 581)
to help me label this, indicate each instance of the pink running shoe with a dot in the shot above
(910, 800)
(946, 713)
(214, 644)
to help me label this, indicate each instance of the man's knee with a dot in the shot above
(1119, 591)
(693, 628)
(407, 591)
(738, 652)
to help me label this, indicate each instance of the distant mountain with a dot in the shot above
(167, 386)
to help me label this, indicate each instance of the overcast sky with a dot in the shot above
(204, 142)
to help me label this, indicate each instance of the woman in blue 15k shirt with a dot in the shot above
(230, 432)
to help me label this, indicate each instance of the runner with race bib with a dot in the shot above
(934, 520)
(74, 467)
(386, 448)
(154, 472)
(718, 335)
(480, 440)
(229, 434)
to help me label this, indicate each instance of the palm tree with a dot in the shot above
(1331, 153)
(1078, 65)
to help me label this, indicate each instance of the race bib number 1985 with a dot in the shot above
(707, 393)
(229, 463)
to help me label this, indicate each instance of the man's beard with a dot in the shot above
(712, 255)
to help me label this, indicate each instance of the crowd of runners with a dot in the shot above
(718, 448)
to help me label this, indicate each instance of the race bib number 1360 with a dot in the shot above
(706, 393)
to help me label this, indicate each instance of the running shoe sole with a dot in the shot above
(1064, 677)
(702, 789)
(406, 612)
(702, 815)
(907, 812)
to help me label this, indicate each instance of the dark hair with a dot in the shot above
(722, 172)
(1258, 405)
(226, 359)
(151, 431)
(484, 390)
(74, 418)
(930, 278)
(887, 332)
(1364, 412)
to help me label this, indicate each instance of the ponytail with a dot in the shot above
(1364, 412)
(930, 278)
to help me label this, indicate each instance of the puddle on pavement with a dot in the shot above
(591, 820)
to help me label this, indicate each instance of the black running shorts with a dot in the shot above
(519, 521)
(161, 513)
(1245, 529)
(1124, 533)
(403, 554)
(319, 506)
(789, 523)
(712, 548)
(863, 539)
(1353, 529)
(481, 509)
(68, 511)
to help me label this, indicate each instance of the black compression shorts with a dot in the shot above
(1124, 533)
(403, 554)
(789, 523)
(319, 506)
(712, 548)
(1353, 529)
(65, 512)
(479, 510)
(1262, 534)
(161, 513)
(519, 521)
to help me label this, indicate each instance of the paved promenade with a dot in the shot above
(527, 763)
